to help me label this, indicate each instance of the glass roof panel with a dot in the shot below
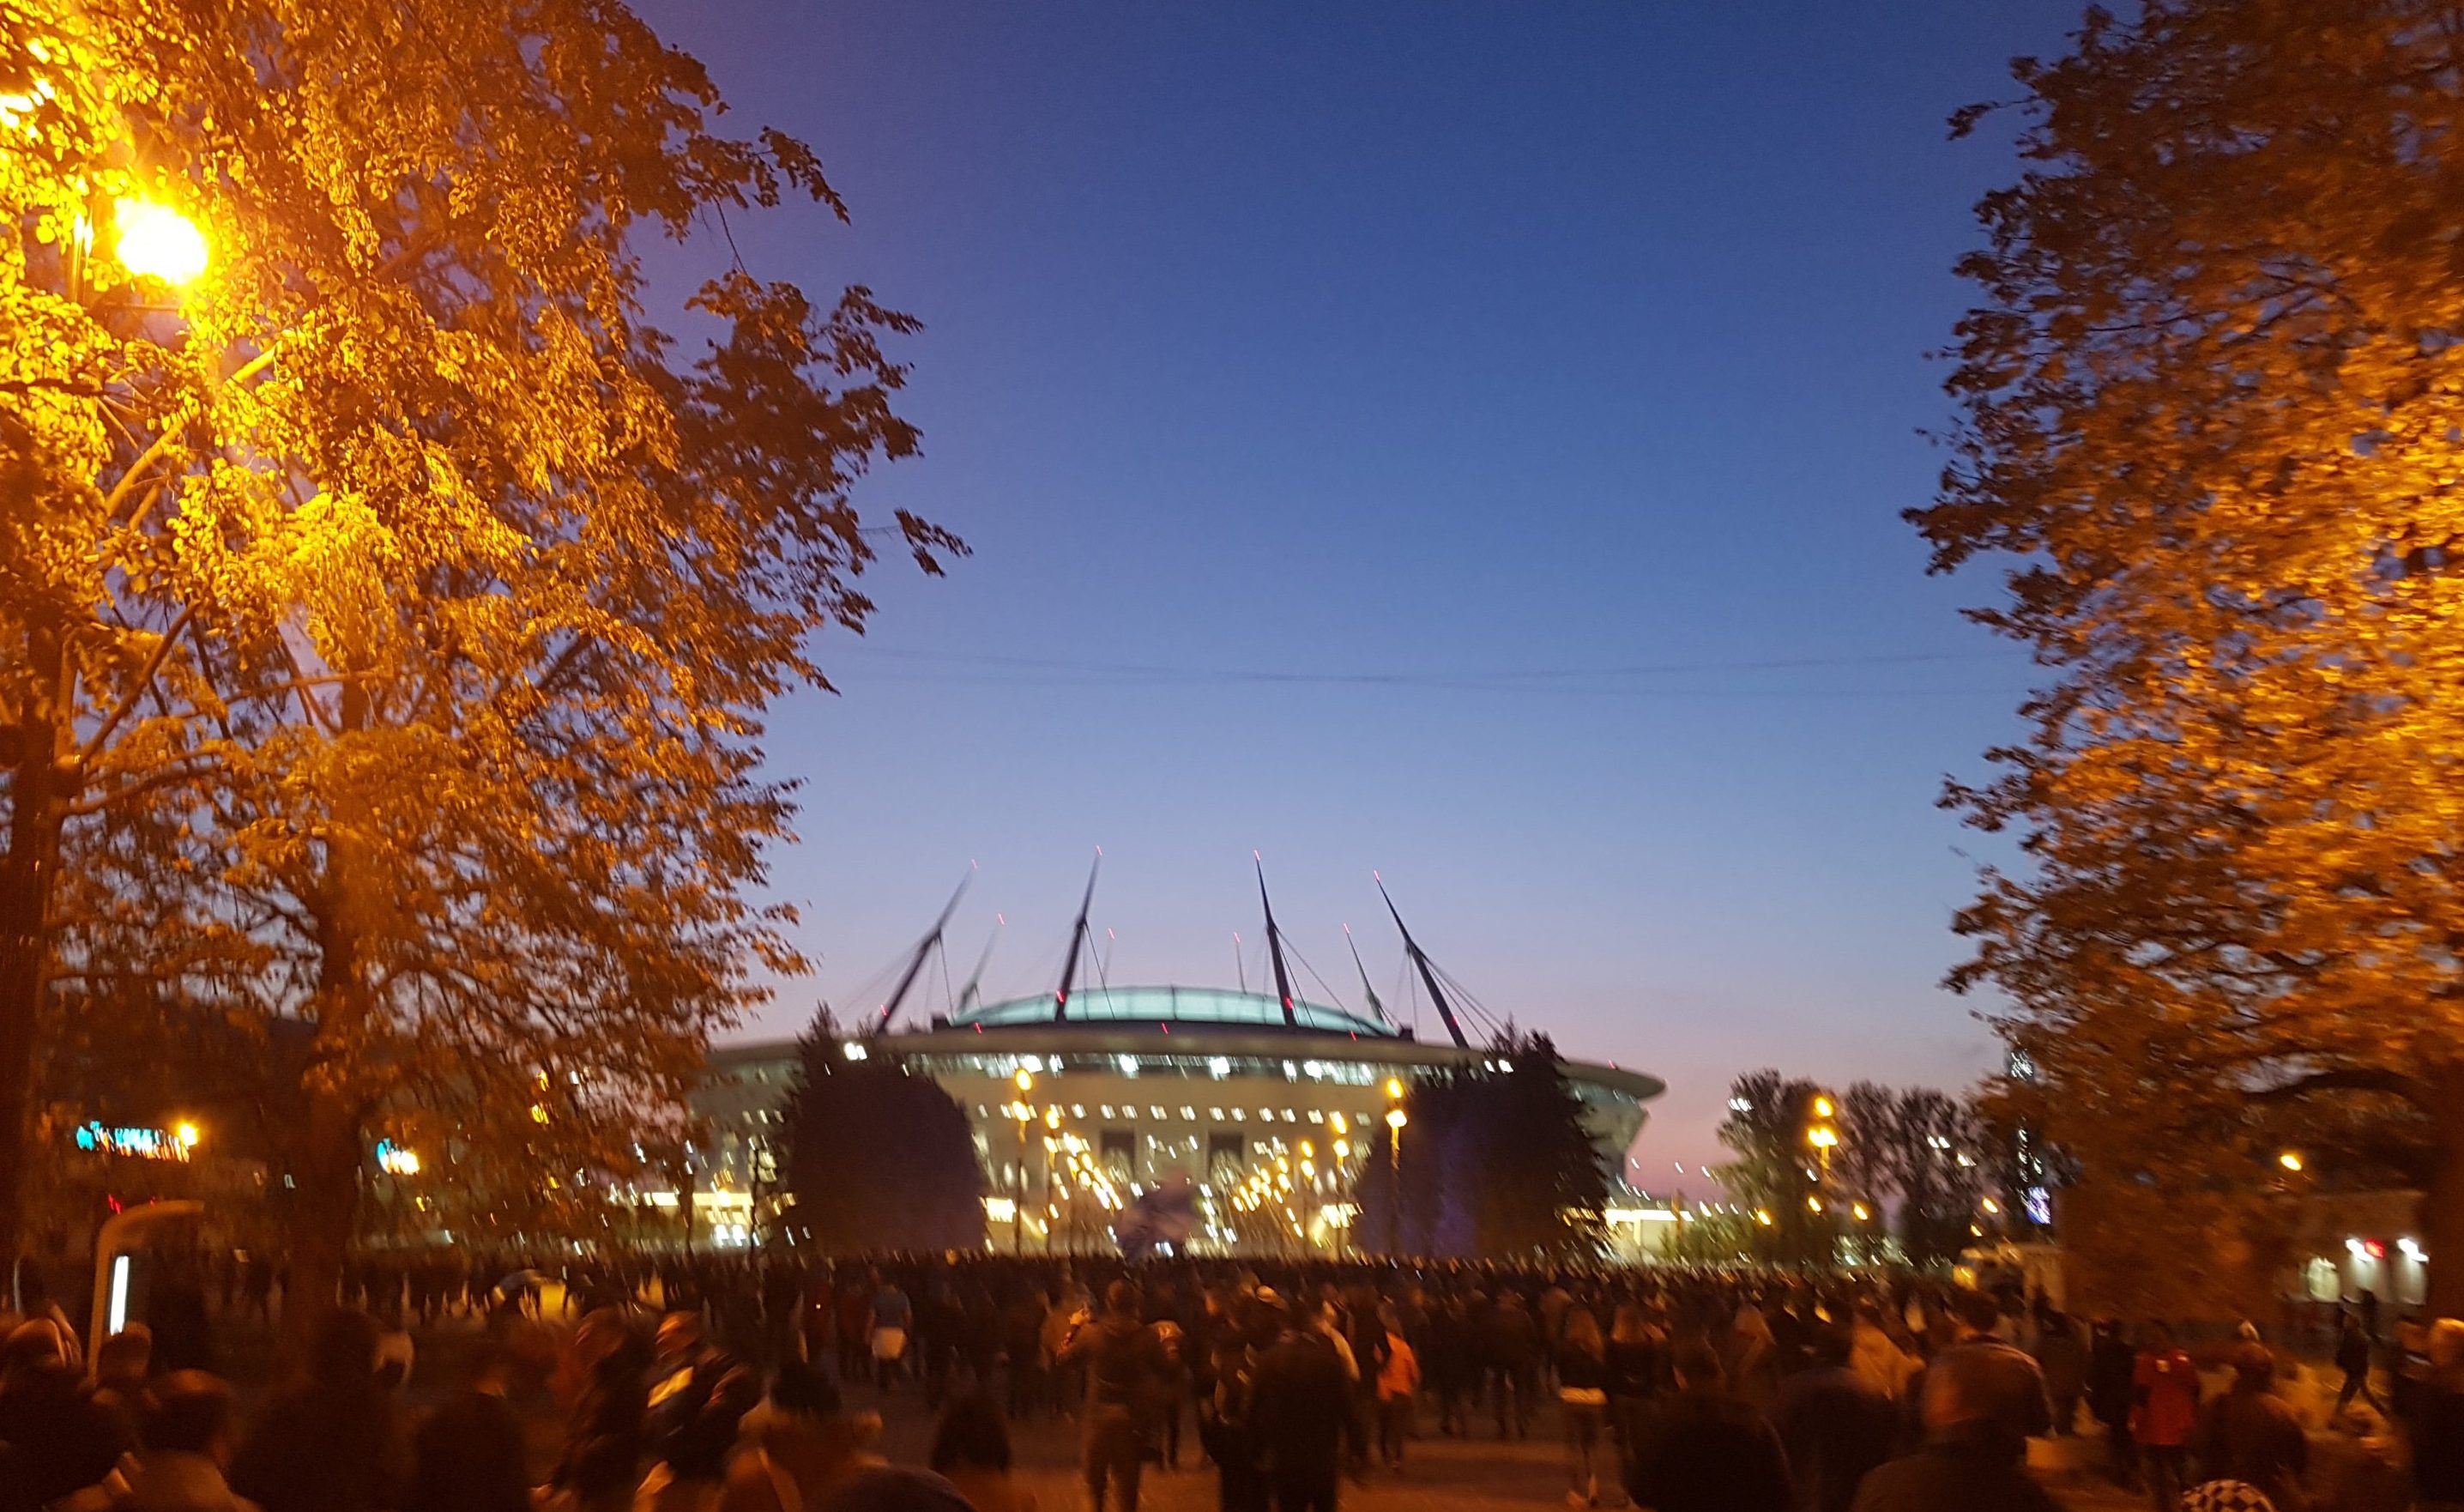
(1174, 1004)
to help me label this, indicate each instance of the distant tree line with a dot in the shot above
(1868, 1174)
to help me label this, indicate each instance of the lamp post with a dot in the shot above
(1051, 1126)
(1342, 1130)
(1824, 1136)
(1396, 1118)
(1025, 1083)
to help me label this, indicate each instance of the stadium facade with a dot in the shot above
(1264, 1104)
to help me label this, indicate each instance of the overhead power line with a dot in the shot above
(1628, 680)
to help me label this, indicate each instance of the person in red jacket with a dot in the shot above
(2165, 1412)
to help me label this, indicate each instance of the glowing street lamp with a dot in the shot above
(2290, 1160)
(1025, 1083)
(1822, 1108)
(1396, 1118)
(156, 241)
(186, 1135)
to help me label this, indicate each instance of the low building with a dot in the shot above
(2351, 1242)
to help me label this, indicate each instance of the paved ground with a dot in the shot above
(1479, 1475)
(1440, 1475)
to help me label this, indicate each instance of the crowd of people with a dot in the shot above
(736, 1385)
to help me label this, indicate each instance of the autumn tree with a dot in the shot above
(394, 605)
(877, 1157)
(2210, 404)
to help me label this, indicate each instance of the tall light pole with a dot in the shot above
(1342, 1151)
(149, 242)
(1824, 1137)
(1396, 1118)
(1026, 1081)
(1051, 1127)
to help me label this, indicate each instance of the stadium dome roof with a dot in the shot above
(1196, 1006)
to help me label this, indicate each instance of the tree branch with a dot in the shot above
(119, 495)
(66, 385)
(2353, 1078)
(144, 680)
(167, 777)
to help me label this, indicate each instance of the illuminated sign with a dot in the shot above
(176, 1143)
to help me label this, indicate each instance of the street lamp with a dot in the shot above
(1051, 1208)
(2290, 1160)
(156, 241)
(1025, 1081)
(1396, 1118)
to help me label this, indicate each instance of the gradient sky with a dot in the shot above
(1328, 391)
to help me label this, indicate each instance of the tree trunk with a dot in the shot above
(2442, 1207)
(327, 1157)
(39, 791)
(324, 1211)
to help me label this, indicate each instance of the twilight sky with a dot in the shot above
(1343, 401)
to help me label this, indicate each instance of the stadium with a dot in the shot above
(1083, 1100)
